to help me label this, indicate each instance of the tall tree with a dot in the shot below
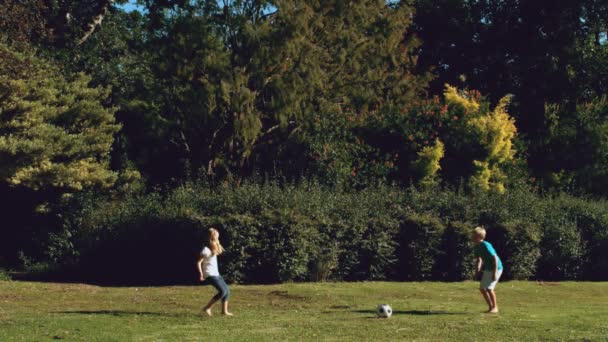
(55, 139)
(246, 76)
(542, 52)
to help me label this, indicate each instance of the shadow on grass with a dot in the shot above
(415, 312)
(121, 313)
(75, 278)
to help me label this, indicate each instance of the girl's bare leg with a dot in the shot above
(225, 309)
(207, 307)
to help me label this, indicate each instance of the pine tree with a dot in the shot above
(55, 133)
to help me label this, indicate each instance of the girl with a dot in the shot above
(209, 273)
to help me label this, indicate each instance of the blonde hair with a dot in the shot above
(214, 242)
(479, 232)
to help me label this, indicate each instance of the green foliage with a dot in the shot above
(55, 133)
(424, 142)
(495, 131)
(51, 24)
(570, 132)
(419, 241)
(456, 259)
(290, 251)
(464, 102)
(427, 164)
(23, 21)
(519, 243)
(239, 89)
(567, 71)
(274, 234)
(278, 233)
(592, 227)
(596, 237)
(326, 91)
(4, 276)
(563, 252)
(339, 157)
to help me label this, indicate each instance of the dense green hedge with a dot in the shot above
(276, 233)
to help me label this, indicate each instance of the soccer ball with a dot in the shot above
(384, 311)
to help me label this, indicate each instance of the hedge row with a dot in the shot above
(277, 233)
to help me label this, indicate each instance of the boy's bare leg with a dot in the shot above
(492, 296)
(486, 296)
(225, 309)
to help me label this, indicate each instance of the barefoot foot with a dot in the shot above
(207, 311)
(227, 313)
(495, 310)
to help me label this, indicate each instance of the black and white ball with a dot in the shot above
(384, 311)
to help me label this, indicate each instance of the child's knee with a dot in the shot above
(225, 294)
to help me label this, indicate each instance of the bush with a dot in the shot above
(238, 234)
(419, 246)
(591, 220)
(146, 250)
(596, 236)
(272, 234)
(562, 255)
(375, 250)
(456, 261)
(588, 222)
(517, 244)
(296, 232)
(282, 250)
(4, 276)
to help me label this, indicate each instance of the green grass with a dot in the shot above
(316, 311)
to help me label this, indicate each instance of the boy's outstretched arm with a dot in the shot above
(495, 267)
(199, 268)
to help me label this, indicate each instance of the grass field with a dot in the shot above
(316, 311)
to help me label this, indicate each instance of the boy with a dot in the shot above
(492, 267)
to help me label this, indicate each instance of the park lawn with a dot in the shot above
(33, 311)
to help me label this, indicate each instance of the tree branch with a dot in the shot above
(105, 5)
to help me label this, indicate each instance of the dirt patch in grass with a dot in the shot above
(287, 295)
(542, 283)
(10, 296)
